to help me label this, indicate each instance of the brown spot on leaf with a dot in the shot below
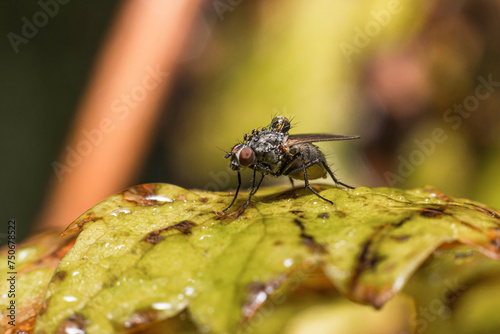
(323, 215)
(77, 225)
(340, 214)
(72, 324)
(475, 228)
(403, 237)
(59, 276)
(299, 224)
(439, 195)
(486, 211)
(432, 213)
(140, 319)
(203, 200)
(184, 227)
(495, 242)
(258, 293)
(231, 216)
(308, 240)
(181, 197)
(367, 258)
(143, 195)
(298, 213)
(401, 222)
(153, 237)
(43, 307)
(312, 244)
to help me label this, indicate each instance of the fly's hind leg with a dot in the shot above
(308, 186)
(306, 180)
(333, 176)
(291, 181)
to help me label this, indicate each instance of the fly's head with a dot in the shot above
(241, 156)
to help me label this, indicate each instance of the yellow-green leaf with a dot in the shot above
(158, 251)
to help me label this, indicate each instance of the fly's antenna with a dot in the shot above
(223, 150)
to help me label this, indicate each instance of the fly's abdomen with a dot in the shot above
(308, 155)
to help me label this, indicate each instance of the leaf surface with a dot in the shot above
(156, 250)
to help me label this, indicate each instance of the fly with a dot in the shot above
(272, 151)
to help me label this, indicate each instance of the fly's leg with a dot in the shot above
(308, 186)
(251, 193)
(291, 180)
(304, 169)
(236, 194)
(333, 176)
(258, 185)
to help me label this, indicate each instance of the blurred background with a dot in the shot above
(99, 96)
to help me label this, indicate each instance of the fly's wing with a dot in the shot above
(316, 137)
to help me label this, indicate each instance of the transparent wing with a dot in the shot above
(316, 137)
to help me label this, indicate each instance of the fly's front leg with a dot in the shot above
(236, 194)
(251, 193)
(258, 185)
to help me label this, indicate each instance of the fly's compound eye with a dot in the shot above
(281, 124)
(246, 156)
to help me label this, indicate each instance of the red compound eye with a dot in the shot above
(246, 156)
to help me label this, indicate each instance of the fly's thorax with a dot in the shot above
(268, 148)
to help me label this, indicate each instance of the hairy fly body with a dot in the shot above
(272, 151)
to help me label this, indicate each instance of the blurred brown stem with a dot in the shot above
(113, 125)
